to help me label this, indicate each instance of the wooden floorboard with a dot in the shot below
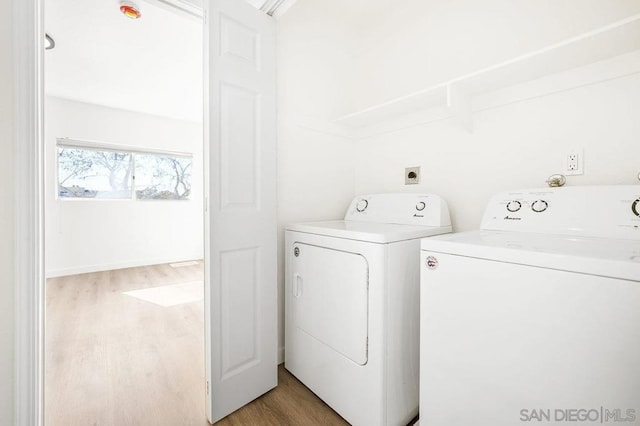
(291, 403)
(112, 359)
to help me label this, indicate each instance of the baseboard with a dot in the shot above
(109, 267)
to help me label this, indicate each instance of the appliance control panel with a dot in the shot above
(589, 211)
(404, 209)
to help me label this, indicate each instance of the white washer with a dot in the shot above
(352, 305)
(536, 317)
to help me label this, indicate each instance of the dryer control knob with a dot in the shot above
(420, 206)
(539, 206)
(635, 207)
(362, 205)
(514, 206)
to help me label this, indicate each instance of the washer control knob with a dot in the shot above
(514, 206)
(362, 205)
(539, 206)
(635, 207)
(420, 206)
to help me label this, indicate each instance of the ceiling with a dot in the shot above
(151, 65)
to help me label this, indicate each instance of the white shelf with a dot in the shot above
(432, 97)
(454, 96)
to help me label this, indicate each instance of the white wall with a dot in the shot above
(515, 145)
(93, 235)
(419, 43)
(6, 218)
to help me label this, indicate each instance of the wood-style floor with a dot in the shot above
(112, 359)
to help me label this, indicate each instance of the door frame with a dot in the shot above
(28, 144)
(27, 59)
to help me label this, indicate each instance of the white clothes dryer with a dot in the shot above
(352, 305)
(536, 317)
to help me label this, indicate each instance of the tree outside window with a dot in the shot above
(161, 177)
(84, 173)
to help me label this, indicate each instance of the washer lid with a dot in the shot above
(368, 231)
(616, 258)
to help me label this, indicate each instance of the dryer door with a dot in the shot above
(330, 298)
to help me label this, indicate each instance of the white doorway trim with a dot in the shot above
(27, 59)
(28, 35)
(29, 281)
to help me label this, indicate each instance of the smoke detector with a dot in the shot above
(130, 10)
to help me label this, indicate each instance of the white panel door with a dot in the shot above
(241, 304)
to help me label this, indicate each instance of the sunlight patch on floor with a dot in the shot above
(171, 295)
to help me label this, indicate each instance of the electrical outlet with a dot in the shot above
(573, 163)
(411, 175)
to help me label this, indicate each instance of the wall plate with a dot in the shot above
(411, 175)
(573, 162)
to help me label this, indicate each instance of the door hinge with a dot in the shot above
(207, 387)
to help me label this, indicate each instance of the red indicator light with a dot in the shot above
(130, 10)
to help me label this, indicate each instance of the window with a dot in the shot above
(162, 177)
(96, 172)
(87, 173)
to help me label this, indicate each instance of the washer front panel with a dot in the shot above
(498, 338)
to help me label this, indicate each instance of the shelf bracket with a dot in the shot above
(459, 105)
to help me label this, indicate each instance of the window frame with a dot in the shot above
(111, 147)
